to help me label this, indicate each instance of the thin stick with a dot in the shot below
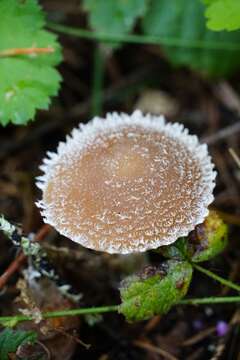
(222, 134)
(223, 281)
(12, 268)
(155, 349)
(21, 258)
(235, 156)
(26, 51)
(199, 336)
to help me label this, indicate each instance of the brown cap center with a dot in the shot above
(124, 189)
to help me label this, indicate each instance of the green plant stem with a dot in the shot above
(98, 77)
(60, 313)
(210, 300)
(210, 274)
(143, 39)
(113, 308)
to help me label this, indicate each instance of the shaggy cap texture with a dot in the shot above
(127, 183)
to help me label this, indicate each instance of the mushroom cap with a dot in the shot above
(127, 183)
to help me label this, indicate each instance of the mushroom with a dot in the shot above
(127, 183)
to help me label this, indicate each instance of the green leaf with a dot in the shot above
(223, 14)
(179, 250)
(184, 20)
(209, 239)
(116, 17)
(154, 291)
(10, 323)
(10, 340)
(27, 81)
(204, 243)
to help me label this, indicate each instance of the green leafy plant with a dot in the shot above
(29, 79)
(10, 340)
(180, 28)
(114, 16)
(223, 14)
(189, 27)
(204, 243)
(155, 290)
(27, 61)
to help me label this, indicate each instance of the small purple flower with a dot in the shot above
(222, 328)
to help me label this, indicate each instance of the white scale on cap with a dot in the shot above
(127, 183)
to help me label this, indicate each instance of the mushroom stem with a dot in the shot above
(216, 277)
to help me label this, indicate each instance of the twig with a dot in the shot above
(12, 268)
(72, 337)
(26, 51)
(228, 96)
(155, 349)
(199, 336)
(225, 174)
(222, 134)
(235, 156)
(222, 343)
(21, 258)
(38, 256)
(47, 351)
(152, 323)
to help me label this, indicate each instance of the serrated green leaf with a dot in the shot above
(145, 296)
(27, 81)
(116, 17)
(10, 340)
(204, 243)
(184, 20)
(223, 14)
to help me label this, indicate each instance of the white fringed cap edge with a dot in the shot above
(85, 134)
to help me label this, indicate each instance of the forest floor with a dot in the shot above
(210, 109)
